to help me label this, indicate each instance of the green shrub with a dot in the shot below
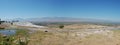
(61, 26)
(12, 40)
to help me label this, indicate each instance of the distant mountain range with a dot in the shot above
(65, 19)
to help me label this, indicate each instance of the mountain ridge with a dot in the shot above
(65, 19)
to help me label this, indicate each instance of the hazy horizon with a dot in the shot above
(93, 9)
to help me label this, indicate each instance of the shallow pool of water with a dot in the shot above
(7, 32)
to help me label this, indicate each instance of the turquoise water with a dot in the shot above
(7, 32)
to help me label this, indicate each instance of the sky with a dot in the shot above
(95, 9)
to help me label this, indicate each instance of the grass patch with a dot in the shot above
(22, 32)
(37, 37)
(20, 38)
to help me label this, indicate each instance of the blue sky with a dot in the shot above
(95, 9)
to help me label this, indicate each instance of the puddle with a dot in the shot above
(7, 32)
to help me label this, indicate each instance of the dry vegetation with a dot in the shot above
(45, 38)
(74, 38)
(78, 26)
